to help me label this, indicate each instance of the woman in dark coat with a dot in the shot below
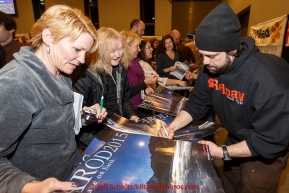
(105, 76)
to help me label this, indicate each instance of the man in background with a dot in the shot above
(7, 30)
(138, 27)
(186, 54)
(176, 37)
(2, 57)
(191, 44)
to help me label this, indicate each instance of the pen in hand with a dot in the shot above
(164, 128)
(101, 103)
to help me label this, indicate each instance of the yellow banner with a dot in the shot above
(270, 33)
(287, 36)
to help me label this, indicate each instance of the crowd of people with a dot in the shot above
(247, 89)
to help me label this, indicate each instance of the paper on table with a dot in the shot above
(181, 69)
(77, 106)
(176, 87)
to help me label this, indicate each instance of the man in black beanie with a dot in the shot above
(249, 91)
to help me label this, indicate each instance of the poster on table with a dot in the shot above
(193, 132)
(164, 100)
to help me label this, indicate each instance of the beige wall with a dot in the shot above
(186, 16)
(118, 14)
(112, 13)
(122, 13)
(260, 11)
(79, 4)
(25, 18)
(238, 5)
(163, 17)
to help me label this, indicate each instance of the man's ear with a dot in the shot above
(232, 53)
(47, 37)
(134, 28)
(12, 31)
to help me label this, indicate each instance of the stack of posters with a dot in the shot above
(194, 131)
(164, 100)
(77, 106)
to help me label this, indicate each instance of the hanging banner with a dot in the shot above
(270, 33)
(287, 36)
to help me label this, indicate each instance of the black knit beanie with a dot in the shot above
(220, 30)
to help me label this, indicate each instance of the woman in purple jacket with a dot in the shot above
(135, 74)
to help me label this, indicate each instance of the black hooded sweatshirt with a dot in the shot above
(251, 100)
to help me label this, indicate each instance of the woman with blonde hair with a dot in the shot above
(137, 81)
(37, 136)
(105, 76)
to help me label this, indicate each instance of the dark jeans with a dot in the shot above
(253, 175)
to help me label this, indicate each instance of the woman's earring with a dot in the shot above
(47, 49)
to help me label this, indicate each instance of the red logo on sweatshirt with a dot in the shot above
(231, 94)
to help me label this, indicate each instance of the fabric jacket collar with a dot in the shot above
(59, 91)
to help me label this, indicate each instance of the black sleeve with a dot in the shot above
(137, 88)
(14, 123)
(84, 85)
(128, 109)
(199, 101)
(160, 62)
(11, 178)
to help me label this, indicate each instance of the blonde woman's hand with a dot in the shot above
(134, 118)
(152, 79)
(149, 90)
(182, 83)
(99, 115)
(49, 185)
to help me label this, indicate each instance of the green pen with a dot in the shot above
(101, 103)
